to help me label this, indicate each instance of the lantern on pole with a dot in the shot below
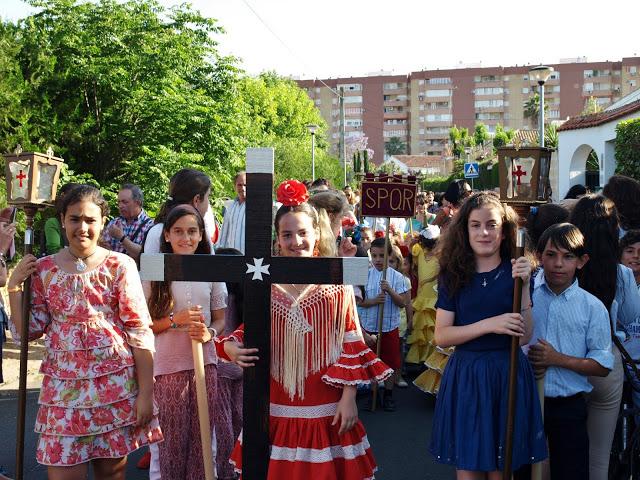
(524, 177)
(524, 182)
(32, 181)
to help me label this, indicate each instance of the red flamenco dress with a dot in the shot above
(316, 349)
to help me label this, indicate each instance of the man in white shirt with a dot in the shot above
(232, 235)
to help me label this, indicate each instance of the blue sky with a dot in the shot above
(329, 38)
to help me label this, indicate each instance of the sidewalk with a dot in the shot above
(11, 366)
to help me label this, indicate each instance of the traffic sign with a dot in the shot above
(471, 170)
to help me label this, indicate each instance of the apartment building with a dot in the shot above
(419, 108)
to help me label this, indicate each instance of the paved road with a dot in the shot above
(399, 439)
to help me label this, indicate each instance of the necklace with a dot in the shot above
(80, 265)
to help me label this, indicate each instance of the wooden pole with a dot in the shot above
(513, 367)
(203, 410)
(374, 390)
(24, 348)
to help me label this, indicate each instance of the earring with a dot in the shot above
(316, 250)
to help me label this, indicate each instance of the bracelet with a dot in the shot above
(16, 289)
(122, 239)
(173, 324)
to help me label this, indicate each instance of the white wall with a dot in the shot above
(574, 147)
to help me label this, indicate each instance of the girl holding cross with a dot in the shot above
(318, 359)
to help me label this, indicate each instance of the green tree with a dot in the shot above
(460, 139)
(395, 146)
(532, 109)
(113, 84)
(480, 134)
(591, 106)
(628, 148)
(551, 136)
(501, 138)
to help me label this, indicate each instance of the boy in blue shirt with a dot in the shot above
(573, 342)
(394, 294)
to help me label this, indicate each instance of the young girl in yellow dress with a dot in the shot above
(421, 348)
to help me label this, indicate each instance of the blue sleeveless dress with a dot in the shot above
(470, 417)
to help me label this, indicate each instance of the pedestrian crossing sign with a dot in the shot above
(471, 170)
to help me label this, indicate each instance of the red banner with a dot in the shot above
(388, 199)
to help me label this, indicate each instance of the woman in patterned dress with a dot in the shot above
(318, 358)
(96, 400)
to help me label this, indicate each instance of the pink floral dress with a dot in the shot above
(90, 320)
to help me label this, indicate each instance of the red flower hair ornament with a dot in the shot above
(291, 193)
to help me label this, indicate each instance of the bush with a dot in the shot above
(628, 148)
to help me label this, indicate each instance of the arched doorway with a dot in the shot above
(592, 172)
(578, 168)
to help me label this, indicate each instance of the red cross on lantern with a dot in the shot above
(21, 177)
(518, 172)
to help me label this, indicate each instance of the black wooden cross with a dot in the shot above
(259, 270)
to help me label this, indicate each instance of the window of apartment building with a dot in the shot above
(317, 89)
(353, 123)
(335, 112)
(506, 79)
(602, 86)
(353, 111)
(349, 87)
(633, 70)
(334, 101)
(421, 107)
(588, 73)
(554, 113)
(437, 105)
(525, 78)
(553, 88)
(485, 78)
(587, 87)
(421, 118)
(525, 90)
(489, 91)
(393, 86)
(421, 131)
(489, 103)
(395, 121)
(632, 83)
(394, 133)
(354, 99)
(420, 82)
(488, 116)
(616, 73)
(555, 76)
(436, 130)
(603, 101)
(445, 117)
(438, 93)
(439, 81)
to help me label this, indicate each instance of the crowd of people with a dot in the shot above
(119, 373)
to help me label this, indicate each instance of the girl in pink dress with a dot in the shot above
(96, 400)
(182, 312)
(318, 358)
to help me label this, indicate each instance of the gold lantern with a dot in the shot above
(32, 178)
(524, 174)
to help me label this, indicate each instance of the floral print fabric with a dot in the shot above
(90, 320)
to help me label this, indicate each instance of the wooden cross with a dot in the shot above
(21, 177)
(258, 270)
(518, 172)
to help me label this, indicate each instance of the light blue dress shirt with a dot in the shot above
(391, 314)
(575, 323)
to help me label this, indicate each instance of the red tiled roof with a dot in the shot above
(595, 119)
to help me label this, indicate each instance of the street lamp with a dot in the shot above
(312, 127)
(541, 74)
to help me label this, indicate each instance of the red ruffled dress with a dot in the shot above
(90, 322)
(316, 349)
